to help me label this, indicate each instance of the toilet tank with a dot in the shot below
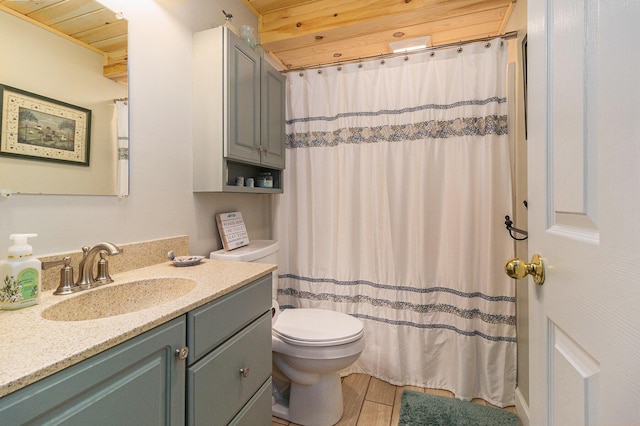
(259, 251)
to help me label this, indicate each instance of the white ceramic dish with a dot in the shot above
(187, 260)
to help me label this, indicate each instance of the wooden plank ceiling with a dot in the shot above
(86, 22)
(299, 33)
(306, 33)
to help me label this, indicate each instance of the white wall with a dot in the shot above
(161, 203)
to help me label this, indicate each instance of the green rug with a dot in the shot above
(421, 409)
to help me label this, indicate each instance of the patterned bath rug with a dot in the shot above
(421, 409)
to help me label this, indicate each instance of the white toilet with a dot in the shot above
(310, 347)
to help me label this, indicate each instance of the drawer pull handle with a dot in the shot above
(182, 353)
(244, 372)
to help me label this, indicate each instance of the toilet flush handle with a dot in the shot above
(244, 372)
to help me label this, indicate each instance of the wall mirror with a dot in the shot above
(71, 52)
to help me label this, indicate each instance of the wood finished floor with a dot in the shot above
(371, 402)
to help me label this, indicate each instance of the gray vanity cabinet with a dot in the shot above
(140, 381)
(225, 379)
(229, 363)
(239, 114)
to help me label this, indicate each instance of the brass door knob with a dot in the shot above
(517, 268)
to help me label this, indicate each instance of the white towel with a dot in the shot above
(123, 147)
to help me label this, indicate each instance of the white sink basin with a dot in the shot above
(117, 299)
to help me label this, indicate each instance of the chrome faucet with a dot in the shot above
(86, 279)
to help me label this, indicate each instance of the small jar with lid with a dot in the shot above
(265, 180)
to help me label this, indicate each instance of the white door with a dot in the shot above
(584, 211)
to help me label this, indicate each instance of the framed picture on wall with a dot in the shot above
(39, 128)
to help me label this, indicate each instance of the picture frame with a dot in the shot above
(38, 128)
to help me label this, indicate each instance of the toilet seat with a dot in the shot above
(317, 327)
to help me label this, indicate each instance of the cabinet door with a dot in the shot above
(139, 382)
(243, 111)
(273, 117)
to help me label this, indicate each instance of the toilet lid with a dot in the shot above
(317, 327)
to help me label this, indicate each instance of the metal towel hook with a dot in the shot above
(508, 223)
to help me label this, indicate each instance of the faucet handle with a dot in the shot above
(51, 263)
(103, 276)
(66, 285)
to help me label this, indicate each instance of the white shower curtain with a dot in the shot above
(396, 188)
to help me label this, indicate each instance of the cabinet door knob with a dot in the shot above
(244, 372)
(182, 353)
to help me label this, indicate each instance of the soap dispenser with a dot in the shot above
(20, 279)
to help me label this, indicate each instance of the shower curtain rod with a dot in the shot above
(505, 36)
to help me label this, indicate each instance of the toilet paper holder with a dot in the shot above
(275, 311)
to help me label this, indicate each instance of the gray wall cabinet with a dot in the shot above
(239, 114)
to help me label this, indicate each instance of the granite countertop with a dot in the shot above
(33, 348)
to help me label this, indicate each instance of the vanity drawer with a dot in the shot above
(216, 388)
(213, 323)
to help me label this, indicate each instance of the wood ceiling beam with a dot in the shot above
(118, 56)
(118, 72)
(507, 15)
